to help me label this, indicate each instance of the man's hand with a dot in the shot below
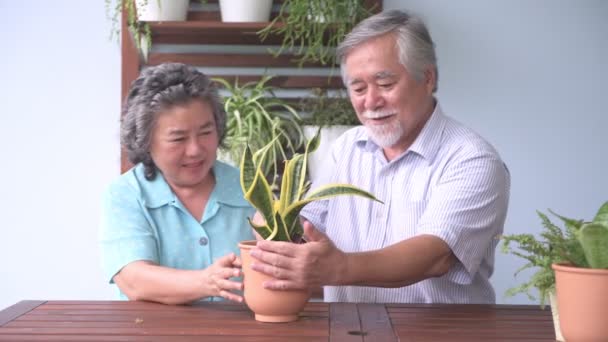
(216, 278)
(300, 266)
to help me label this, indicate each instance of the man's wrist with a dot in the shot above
(342, 269)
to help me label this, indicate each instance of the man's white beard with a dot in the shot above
(385, 135)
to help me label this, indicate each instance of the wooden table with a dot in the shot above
(139, 321)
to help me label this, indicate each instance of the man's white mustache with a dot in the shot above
(372, 114)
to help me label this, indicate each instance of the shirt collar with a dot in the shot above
(227, 188)
(426, 144)
(429, 139)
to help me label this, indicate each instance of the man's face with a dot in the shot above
(391, 104)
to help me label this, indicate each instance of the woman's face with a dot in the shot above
(184, 144)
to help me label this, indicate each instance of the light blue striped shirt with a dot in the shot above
(450, 183)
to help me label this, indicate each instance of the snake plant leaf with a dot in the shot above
(324, 192)
(311, 146)
(247, 170)
(594, 239)
(602, 215)
(289, 190)
(281, 233)
(264, 230)
(259, 157)
(260, 196)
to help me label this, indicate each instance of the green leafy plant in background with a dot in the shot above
(281, 214)
(141, 31)
(256, 117)
(324, 110)
(580, 244)
(312, 29)
(142, 35)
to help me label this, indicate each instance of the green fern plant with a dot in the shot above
(281, 214)
(579, 243)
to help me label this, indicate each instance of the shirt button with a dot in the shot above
(203, 241)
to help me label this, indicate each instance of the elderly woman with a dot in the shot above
(172, 223)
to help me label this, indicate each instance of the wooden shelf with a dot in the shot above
(210, 32)
(204, 27)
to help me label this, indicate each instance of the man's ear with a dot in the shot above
(430, 78)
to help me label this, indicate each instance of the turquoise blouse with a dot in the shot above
(144, 220)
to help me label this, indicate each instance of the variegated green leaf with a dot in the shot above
(247, 170)
(281, 233)
(594, 239)
(264, 230)
(260, 196)
(300, 175)
(324, 192)
(602, 215)
(314, 143)
(259, 157)
(289, 188)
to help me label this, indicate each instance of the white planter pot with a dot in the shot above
(554, 312)
(328, 135)
(169, 10)
(245, 10)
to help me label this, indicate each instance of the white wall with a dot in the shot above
(528, 75)
(60, 102)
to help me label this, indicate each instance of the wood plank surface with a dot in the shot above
(141, 321)
(376, 323)
(344, 324)
(423, 322)
(17, 310)
(230, 59)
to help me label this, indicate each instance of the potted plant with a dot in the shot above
(572, 270)
(256, 117)
(245, 10)
(312, 29)
(139, 13)
(280, 222)
(333, 114)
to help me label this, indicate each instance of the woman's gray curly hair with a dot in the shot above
(155, 90)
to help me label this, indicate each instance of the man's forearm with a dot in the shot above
(404, 263)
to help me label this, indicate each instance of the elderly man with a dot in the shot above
(445, 189)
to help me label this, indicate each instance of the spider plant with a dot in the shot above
(256, 117)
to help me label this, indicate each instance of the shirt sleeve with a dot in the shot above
(467, 210)
(126, 235)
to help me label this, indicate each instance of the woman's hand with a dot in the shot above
(217, 278)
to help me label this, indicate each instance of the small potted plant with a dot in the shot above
(256, 117)
(312, 29)
(572, 270)
(281, 223)
(139, 13)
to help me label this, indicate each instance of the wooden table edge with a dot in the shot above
(19, 309)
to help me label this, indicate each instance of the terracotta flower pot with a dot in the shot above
(582, 299)
(269, 305)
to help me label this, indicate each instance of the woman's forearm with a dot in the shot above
(143, 280)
